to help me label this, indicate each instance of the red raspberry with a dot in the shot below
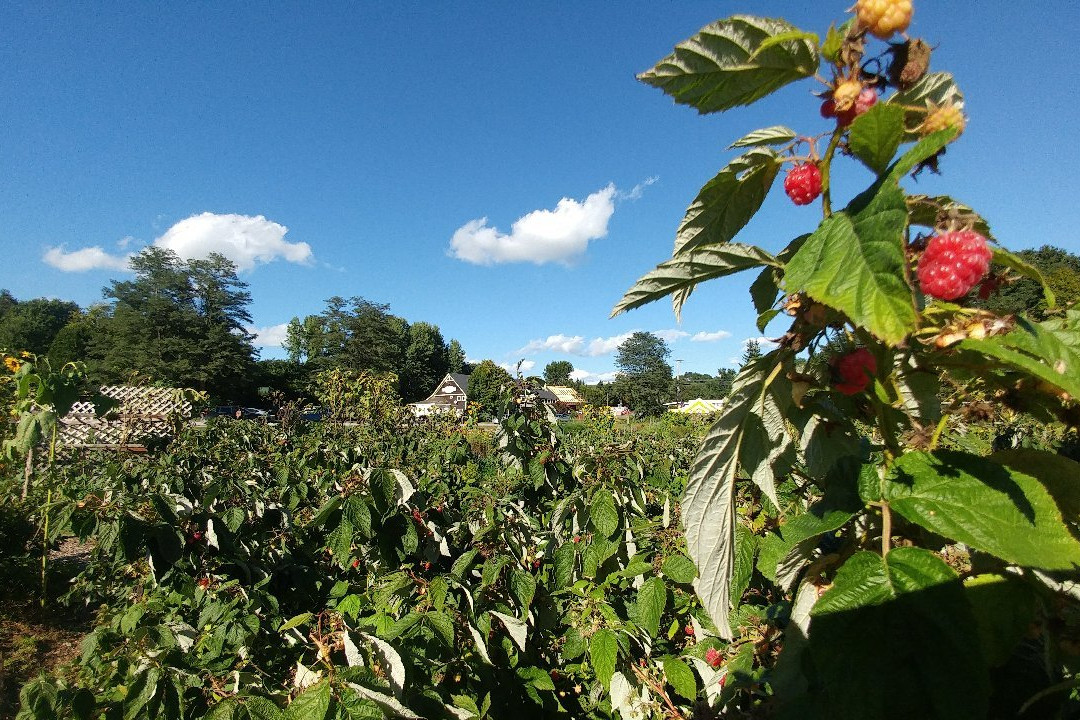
(854, 372)
(953, 263)
(713, 657)
(867, 99)
(803, 183)
(689, 629)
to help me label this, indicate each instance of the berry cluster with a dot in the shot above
(953, 264)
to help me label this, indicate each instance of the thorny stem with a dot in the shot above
(45, 547)
(826, 163)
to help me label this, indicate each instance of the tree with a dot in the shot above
(356, 334)
(427, 360)
(456, 356)
(751, 351)
(557, 372)
(644, 379)
(178, 322)
(486, 384)
(32, 325)
(1060, 268)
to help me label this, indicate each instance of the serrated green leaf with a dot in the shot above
(919, 153)
(1047, 350)
(708, 502)
(384, 488)
(233, 518)
(603, 651)
(679, 568)
(339, 543)
(721, 67)
(522, 587)
(1058, 474)
(745, 549)
(325, 511)
(876, 134)
(927, 211)
(984, 505)
(595, 554)
(492, 568)
(855, 261)
(775, 135)
(565, 557)
(602, 512)
(574, 645)
(681, 678)
(650, 605)
(312, 704)
(912, 603)
(765, 289)
(834, 39)
(463, 564)
(727, 202)
(537, 677)
(443, 626)
(258, 708)
(349, 606)
(936, 88)
(681, 274)
(358, 513)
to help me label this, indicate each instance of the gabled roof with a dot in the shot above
(564, 394)
(461, 379)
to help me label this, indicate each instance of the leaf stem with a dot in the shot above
(826, 164)
(886, 528)
(937, 431)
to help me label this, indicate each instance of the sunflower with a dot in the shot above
(11, 363)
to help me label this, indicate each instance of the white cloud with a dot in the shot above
(590, 378)
(710, 336)
(636, 192)
(604, 346)
(244, 239)
(556, 343)
(91, 258)
(514, 368)
(542, 236)
(270, 336)
(671, 335)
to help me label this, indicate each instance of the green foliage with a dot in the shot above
(489, 386)
(557, 372)
(644, 381)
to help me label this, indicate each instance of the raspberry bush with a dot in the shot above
(918, 574)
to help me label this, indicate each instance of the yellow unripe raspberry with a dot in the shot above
(884, 17)
(845, 94)
(942, 118)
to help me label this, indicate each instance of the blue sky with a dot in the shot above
(493, 168)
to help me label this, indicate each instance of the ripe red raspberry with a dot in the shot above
(953, 263)
(713, 657)
(854, 372)
(689, 629)
(803, 183)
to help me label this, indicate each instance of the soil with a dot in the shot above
(34, 638)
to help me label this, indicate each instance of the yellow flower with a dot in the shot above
(12, 364)
(26, 354)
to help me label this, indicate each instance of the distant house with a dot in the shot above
(449, 397)
(566, 398)
(697, 406)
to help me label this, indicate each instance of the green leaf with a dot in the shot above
(1004, 608)
(349, 606)
(775, 135)
(603, 650)
(746, 544)
(295, 621)
(565, 557)
(463, 564)
(855, 263)
(233, 518)
(537, 677)
(936, 88)
(602, 512)
(492, 568)
(442, 625)
(312, 704)
(522, 587)
(708, 503)
(834, 40)
(574, 645)
(650, 605)
(1017, 264)
(384, 487)
(325, 511)
(340, 542)
(927, 211)
(681, 274)
(922, 151)
(727, 202)
(984, 505)
(894, 637)
(258, 708)
(1048, 351)
(876, 134)
(725, 65)
(358, 513)
(1058, 474)
(681, 678)
(679, 569)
